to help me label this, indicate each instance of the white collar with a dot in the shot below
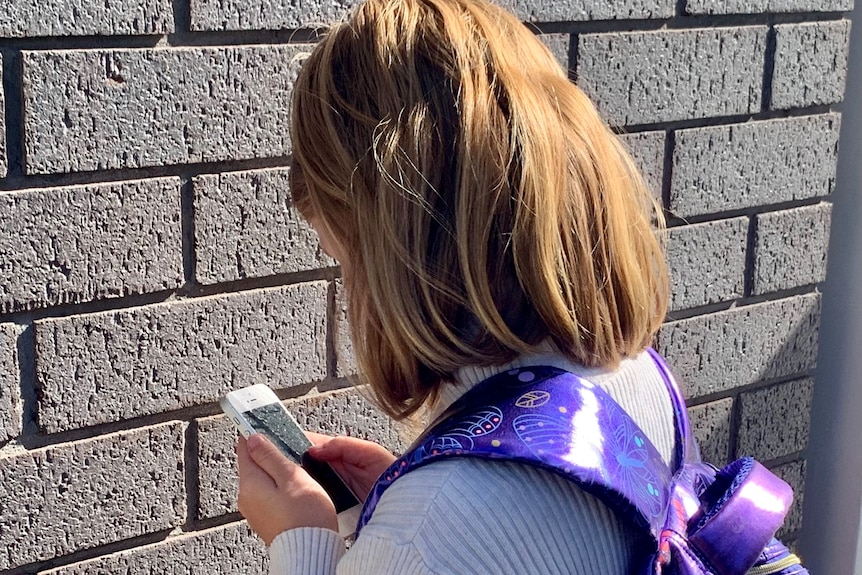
(468, 377)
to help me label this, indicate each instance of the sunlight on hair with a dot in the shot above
(483, 205)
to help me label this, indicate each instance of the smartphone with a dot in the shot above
(256, 409)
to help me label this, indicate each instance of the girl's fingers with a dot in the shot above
(268, 458)
(318, 439)
(331, 450)
(248, 470)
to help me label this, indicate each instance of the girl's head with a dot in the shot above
(477, 203)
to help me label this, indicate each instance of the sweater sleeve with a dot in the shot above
(305, 551)
(313, 551)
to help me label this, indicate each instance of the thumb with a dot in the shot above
(269, 458)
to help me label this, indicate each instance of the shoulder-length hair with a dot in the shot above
(479, 203)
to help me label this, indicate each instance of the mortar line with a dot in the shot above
(191, 473)
(768, 69)
(27, 378)
(310, 34)
(182, 16)
(13, 99)
(187, 293)
(738, 303)
(189, 239)
(21, 181)
(750, 256)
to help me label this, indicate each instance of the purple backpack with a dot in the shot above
(702, 521)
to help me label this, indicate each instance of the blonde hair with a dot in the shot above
(481, 205)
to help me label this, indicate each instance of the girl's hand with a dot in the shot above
(275, 494)
(358, 462)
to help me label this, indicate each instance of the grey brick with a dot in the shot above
(345, 359)
(105, 109)
(75, 496)
(647, 77)
(20, 18)
(647, 150)
(111, 366)
(794, 474)
(348, 412)
(10, 383)
(343, 412)
(217, 478)
(744, 165)
(558, 44)
(729, 349)
(284, 14)
(82, 243)
(790, 247)
(774, 421)
(810, 64)
(266, 14)
(246, 227)
(759, 6)
(224, 550)
(560, 10)
(707, 262)
(711, 425)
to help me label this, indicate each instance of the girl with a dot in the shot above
(485, 218)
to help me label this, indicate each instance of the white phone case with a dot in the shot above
(237, 405)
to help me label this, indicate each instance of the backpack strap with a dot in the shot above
(553, 419)
(685, 446)
(703, 522)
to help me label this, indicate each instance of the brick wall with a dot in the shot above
(150, 260)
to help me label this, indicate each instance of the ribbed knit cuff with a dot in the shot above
(305, 551)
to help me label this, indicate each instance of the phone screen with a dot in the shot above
(279, 427)
(272, 421)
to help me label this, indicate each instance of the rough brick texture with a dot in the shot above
(283, 14)
(266, 14)
(794, 474)
(110, 366)
(810, 64)
(108, 109)
(790, 247)
(558, 44)
(738, 166)
(647, 150)
(712, 429)
(336, 413)
(345, 359)
(774, 421)
(85, 17)
(245, 227)
(78, 495)
(10, 384)
(151, 260)
(757, 6)
(707, 262)
(83, 243)
(217, 481)
(554, 10)
(348, 412)
(724, 350)
(646, 77)
(226, 550)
